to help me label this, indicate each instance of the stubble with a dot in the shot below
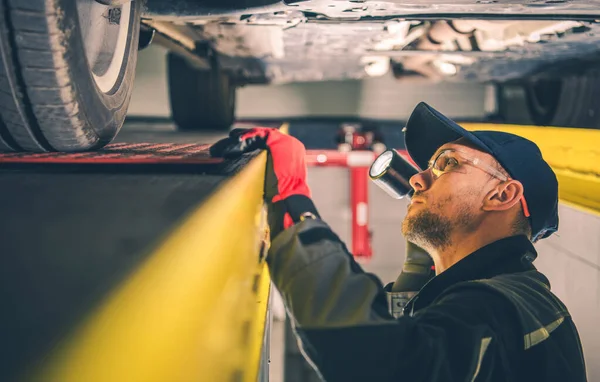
(432, 230)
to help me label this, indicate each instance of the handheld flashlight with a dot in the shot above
(391, 172)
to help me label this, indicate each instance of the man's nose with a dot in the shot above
(420, 181)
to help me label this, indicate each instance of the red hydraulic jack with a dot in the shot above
(357, 149)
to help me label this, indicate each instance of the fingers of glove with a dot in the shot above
(230, 149)
(234, 133)
(257, 132)
(253, 139)
(240, 141)
(237, 132)
(223, 148)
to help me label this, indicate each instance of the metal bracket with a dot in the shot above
(146, 36)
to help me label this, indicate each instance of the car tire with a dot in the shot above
(570, 101)
(200, 99)
(65, 84)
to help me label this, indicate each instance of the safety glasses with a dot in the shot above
(452, 160)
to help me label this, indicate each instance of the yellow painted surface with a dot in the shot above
(285, 128)
(193, 312)
(574, 154)
(257, 331)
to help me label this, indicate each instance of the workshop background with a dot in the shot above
(570, 258)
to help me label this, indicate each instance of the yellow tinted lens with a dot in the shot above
(439, 164)
(444, 163)
(436, 172)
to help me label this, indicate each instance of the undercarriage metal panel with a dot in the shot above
(354, 9)
(426, 8)
(573, 53)
(315, 51)
(314, 40)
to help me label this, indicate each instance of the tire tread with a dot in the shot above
(199, 99)
(45, 113)
(25, 130)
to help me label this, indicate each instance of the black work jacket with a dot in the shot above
(490, 317)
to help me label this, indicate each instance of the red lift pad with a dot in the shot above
(127, 153)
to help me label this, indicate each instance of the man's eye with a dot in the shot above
(451, 162)
(446, 163)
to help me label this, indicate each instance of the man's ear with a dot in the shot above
(504, 196)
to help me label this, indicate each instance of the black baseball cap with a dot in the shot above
(427, 130)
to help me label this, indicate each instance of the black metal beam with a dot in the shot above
(113, 3)
(183, 8)
(174, 46)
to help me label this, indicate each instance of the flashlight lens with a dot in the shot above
(381, 164)
(392, 173)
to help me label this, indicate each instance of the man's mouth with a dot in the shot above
(415, 203)
(417, 200)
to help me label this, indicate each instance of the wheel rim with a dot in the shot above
(105, 33)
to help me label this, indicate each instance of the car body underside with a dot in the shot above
(449, 40)
(68, 81)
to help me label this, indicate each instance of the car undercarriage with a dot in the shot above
(435, 40)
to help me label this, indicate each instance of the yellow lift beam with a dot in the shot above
(195, 311)
(574, 154)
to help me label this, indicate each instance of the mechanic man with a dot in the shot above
(487, 315)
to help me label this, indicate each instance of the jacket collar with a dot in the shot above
(508, 255)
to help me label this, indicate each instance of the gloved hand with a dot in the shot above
(286, 192)
(417, 270)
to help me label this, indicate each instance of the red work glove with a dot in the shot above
(286, 192)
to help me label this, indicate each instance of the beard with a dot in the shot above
(430, 230)
(427, 230)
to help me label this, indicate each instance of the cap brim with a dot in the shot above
(427, 130)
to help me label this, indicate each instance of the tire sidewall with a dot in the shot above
(102, 113)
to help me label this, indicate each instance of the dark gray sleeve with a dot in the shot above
(320, 281)
(340, 313)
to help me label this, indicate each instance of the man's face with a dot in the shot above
(450, 202)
